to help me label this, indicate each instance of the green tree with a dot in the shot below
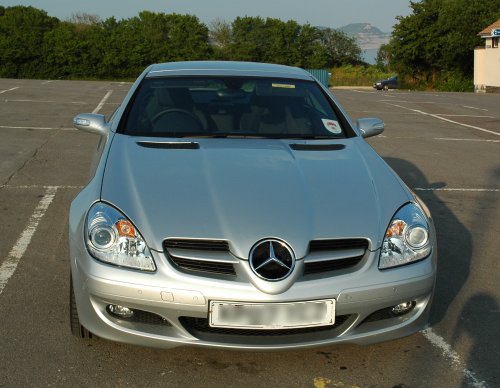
(341, 49)
(22, 31)
(220, 38)
(439, 37)
(312, 53)
(248, 39)
(74, 50)
(383, 58)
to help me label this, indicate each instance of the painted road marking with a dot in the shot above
(49, 102)
(474, 116)
(478, 140)
(39, 187)
(11, 127)
(435, 138)
(444, 119)
(8, 90)
(47, 82)
(362, 91)
(9, 266)
(472, 107)
(457, 189)
(103, 101)
(323, 382)
(453, 356)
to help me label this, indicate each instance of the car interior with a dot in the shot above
(229, 106)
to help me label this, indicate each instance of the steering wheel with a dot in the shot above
(189, 115)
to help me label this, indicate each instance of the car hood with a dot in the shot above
(245, 190)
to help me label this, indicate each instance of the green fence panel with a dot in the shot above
(321, 75)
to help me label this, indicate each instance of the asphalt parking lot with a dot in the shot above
(446, 146)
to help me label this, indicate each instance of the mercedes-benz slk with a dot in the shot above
(237, 205)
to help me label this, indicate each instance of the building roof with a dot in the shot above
(486, 33)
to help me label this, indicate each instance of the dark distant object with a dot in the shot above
(386, 84)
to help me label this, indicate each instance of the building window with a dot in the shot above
(494, 42)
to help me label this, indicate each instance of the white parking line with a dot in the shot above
(103, 101)
(362, 91)
(477, 140)
(40, 187)
(453, 356)
(435, 138)
(444, 119)
(8, 90)
(49, 101)
(474, 116)
(472, 107)
(9, 266)
(47, 82)
(457, 189)
(11, 127)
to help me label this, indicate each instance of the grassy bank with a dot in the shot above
(357, 75)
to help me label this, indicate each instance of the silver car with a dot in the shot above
(236, 205)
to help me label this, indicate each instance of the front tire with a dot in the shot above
(386, 87)
(76, 327)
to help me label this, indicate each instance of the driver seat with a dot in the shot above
(179, 98)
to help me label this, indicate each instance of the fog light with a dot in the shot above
(120, 311)
(403, 308)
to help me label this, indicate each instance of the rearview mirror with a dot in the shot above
(91, 122)
(370, 126)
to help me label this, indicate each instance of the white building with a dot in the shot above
(487, 61)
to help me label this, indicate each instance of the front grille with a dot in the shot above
(202, 261)
(336, 245)
(199, 326)
(202, 245)
(330, 265)
(203, 266)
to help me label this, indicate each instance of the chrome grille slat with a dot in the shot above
(201, 256)
(334, 255)
(194, 244)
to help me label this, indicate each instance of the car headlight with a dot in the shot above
(112, 238)
(407, 238)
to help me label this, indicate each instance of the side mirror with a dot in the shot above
(90, 122)
(370, 127)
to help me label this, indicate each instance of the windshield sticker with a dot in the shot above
(284, 86)
(332, 125)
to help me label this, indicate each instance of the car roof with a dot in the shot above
(227, 68)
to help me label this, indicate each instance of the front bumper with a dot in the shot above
(174, 306)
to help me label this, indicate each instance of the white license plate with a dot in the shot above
(272, 315)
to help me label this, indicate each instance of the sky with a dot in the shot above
(328, 13)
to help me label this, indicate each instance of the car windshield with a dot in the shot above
(230, 107)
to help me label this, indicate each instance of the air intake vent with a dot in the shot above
(204, 266)
(317, 147)
(197, 326)
(169, 145)
(334, 245)
(334, 255)
(199, 245)
(331, 265)
(201, 257)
